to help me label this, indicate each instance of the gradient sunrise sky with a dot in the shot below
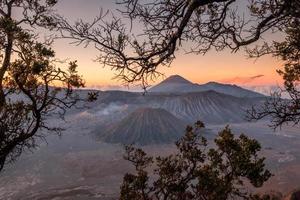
(214, 66)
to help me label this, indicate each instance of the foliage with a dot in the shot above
(197, 171)
(32, 86)
(280, 110)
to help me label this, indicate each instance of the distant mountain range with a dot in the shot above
(161, 115)
(209, 106)
(178, 84)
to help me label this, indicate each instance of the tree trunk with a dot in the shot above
(4, 68)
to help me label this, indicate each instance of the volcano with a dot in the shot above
(145, 126)
(178, 84)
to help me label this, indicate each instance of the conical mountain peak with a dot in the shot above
(178, 84)
(176, 79)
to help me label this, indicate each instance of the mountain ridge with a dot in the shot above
(178, 84)
(176, 79)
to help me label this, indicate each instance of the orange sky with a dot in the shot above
(221, 66)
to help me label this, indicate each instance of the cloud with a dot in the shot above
(268, 90)
(257, 76)
(111, 109)
(242, 80)
(116, 87)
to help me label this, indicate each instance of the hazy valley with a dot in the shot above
(86, 162)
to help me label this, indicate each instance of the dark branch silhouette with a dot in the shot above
(28, 75)
(168, 24)
(283, 111)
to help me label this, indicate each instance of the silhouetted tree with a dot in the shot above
(28, 73)
(197, 171)
(167, 25)
(204, 25)
(283, 111)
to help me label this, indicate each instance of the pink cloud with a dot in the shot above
(242, 80)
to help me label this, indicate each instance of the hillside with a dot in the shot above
(210, 107)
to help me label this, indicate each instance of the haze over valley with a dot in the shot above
(86, 162)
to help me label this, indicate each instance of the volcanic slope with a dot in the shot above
(145, 126)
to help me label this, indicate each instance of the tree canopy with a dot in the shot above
(283, 111)
(198, 170)
(32, 86)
